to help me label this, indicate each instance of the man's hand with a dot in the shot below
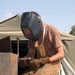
(34, 64)
(23, 62)
(44, 60)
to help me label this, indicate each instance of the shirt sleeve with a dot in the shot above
(55, 37)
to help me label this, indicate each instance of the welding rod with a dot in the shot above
(29, 58)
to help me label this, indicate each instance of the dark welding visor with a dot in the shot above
(33, 22)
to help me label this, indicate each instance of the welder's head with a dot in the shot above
(31, 25)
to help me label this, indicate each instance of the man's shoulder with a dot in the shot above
(51, 28)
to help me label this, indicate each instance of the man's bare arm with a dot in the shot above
(58, 56)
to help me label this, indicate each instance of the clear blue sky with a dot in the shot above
(59, 13)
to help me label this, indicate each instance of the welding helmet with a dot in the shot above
(32, 22)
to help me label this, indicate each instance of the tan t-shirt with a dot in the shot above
(51, 41)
